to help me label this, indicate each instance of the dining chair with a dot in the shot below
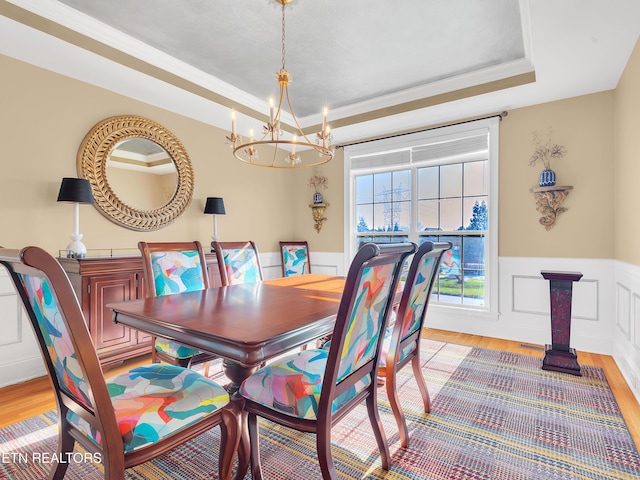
(239, 262)
(170, 268)
(295, 258)
(401, 343)
(314, 389)
(129, 418)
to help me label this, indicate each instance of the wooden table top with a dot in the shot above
(246, 323)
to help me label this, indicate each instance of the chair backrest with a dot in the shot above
(295, 258)
(173, 267)
(239, 262)
(422, 274)
(362, 318)
(64, 340)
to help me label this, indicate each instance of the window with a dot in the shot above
(438, 185)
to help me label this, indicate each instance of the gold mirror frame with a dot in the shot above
(92, 162)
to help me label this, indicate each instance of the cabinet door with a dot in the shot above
(109, 337)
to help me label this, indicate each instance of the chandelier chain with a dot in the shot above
(283, 43)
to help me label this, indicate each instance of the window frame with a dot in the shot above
(488, 126)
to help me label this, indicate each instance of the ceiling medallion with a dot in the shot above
(274, 136)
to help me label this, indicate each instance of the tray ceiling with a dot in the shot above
(377, 65)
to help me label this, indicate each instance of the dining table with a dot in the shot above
(244, 324)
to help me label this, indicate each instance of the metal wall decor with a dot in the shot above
(548, 203)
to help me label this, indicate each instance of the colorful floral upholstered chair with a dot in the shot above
(131, 417)
(401, 343)
(313, 389)
(295, 258)
(239, 262)
(169, 268)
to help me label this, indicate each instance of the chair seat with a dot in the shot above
(292, 384)
(175, 349)
(153, 401)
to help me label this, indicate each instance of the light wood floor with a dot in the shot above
(34, 397)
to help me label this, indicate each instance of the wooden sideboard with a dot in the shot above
(98, 281)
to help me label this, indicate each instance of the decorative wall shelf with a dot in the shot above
(317, 209)
(548, 203)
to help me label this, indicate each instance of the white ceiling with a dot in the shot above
(380, 66)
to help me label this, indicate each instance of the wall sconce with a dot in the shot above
(317, 209)
(215, 206)
(76, 190)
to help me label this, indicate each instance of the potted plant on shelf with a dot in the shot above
(546, 150)
(317, 182)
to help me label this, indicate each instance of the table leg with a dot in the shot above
(237, 373)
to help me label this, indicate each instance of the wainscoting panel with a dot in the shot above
(326, 263)
(523, 311)
(626, 335)
(11, 314)
(605, 311)
(623, 309)
(605, 306)
(528, 293)
(636, 321)
(20, 357)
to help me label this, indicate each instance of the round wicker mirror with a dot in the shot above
(94, 155)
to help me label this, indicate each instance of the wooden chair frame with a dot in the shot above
(389, 371)
(100, 414)
(368, 255)
(146, 249)
(219, 247)
(300, 244)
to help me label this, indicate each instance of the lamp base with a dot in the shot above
(76, 249)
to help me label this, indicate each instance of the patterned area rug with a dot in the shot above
(495, 416)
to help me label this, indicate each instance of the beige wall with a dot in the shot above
(331, 237)
(50, 116)
(44, 118)
(584, 126)
(627, 162)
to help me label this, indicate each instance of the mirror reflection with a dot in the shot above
(142, 174)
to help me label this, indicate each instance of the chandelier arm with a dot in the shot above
(295, 120)
(276, 126)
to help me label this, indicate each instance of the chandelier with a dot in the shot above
(273, 135)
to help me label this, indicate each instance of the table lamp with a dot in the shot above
(76, 190)
(215, 206)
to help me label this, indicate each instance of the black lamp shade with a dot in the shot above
(77, 190)
(214, 205)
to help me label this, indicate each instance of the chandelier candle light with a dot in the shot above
(273, 134)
